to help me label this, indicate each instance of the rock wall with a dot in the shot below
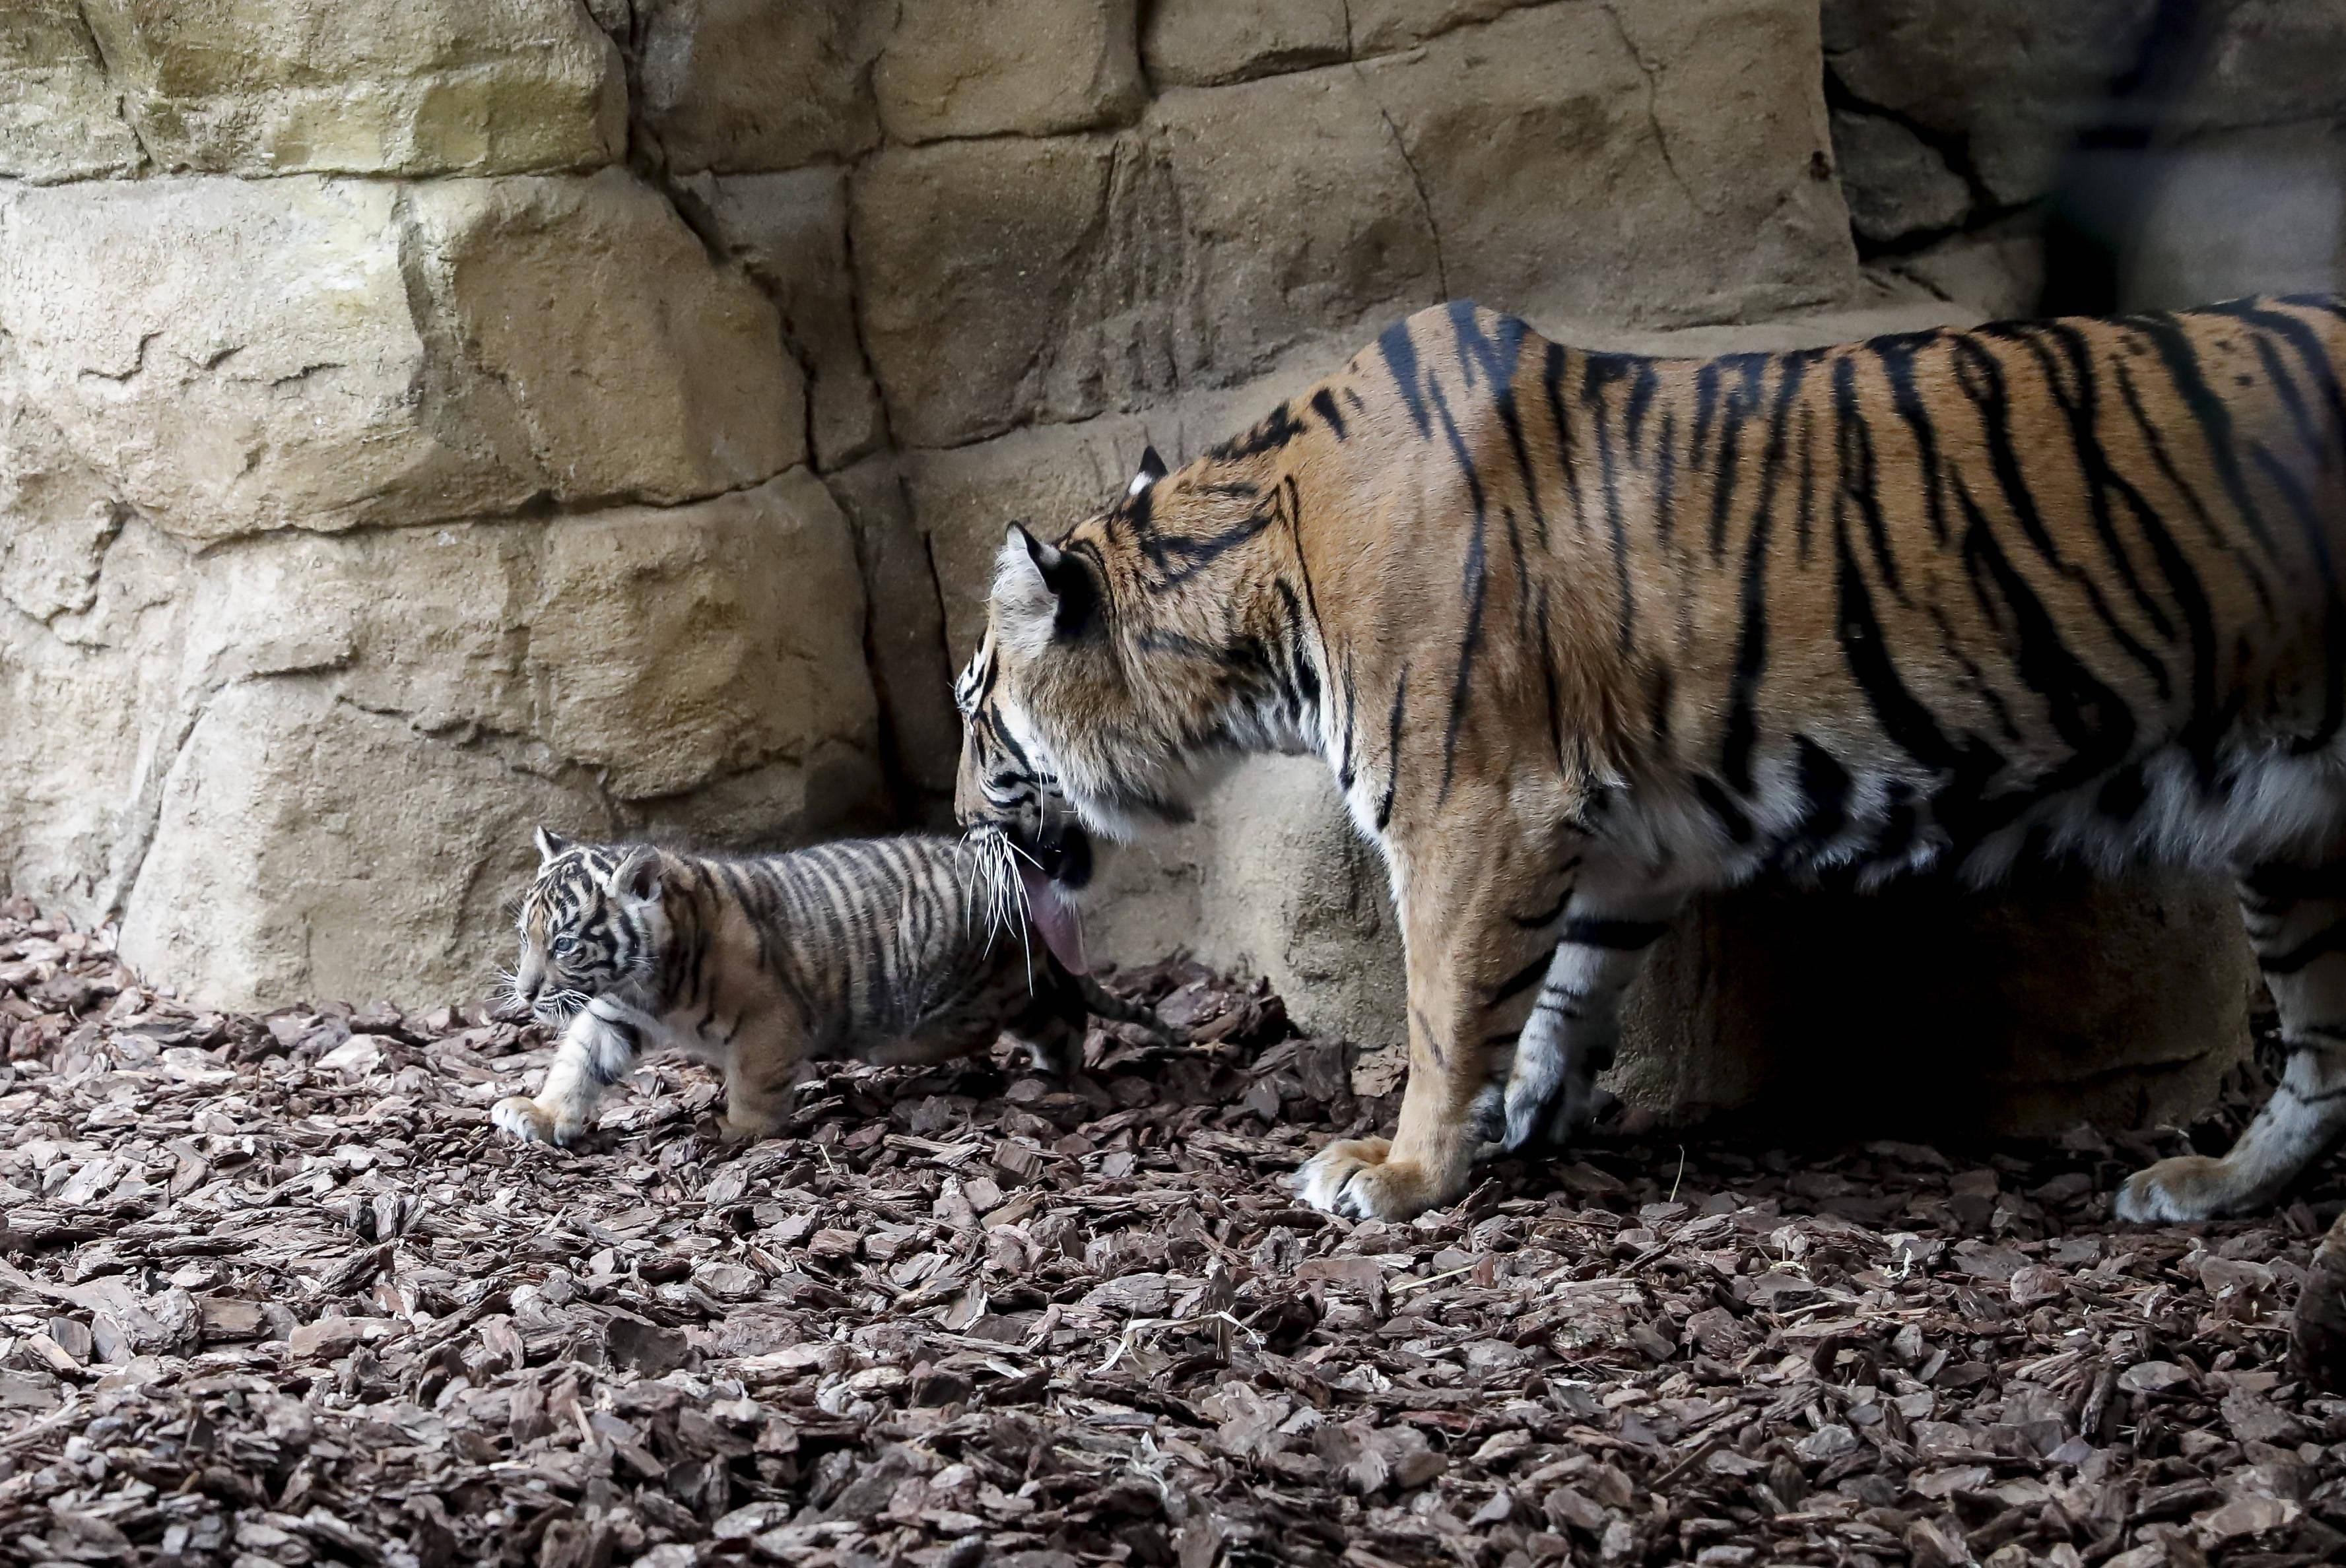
(2191, 152)
(425, 419)
(386, 467)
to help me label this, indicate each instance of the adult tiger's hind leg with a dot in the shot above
(2297, 922)
(1603, 932)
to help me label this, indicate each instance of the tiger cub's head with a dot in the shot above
(591, 923)
(1106, 674)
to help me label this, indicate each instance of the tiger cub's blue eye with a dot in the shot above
(564, 946)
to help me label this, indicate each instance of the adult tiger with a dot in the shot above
(1581, 634)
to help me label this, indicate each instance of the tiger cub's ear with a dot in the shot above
(550, 845)
(636, 878)
(1040, 592)
(1152, 469)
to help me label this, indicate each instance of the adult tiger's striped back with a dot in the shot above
(1580, 634)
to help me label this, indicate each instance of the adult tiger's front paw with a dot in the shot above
(531, 1123)
(2178, 1191)
(1357, 1177)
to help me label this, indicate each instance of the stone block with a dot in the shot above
(1643, 163)
(171, 384)
(60, 117)
(661, 649)
(631, 368)
(747, 85)
(1200, 43)
(1895, 184)
(2270, 62)
(2010, 77)
(790, 232)
(1273, 880)
(1301, 225)
(307, 846)
(1553, 160)
(674, 647)
(970, 257)
(365, 86)
(1929, 1009)
(1006, 282)
(450, 352)
(332, 722)
(991, 67)
(1381, 26)
(2000, 273)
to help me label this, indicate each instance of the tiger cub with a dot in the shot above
(893, 950)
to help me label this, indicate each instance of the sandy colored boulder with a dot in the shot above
(306, 843)
(660, 649)
(1553, 160)
(1640, 163)
(985, 67)
(789, 232)
(173, 385)
(673, 648)
(1302, 228)
(1271, 879)
(2240, 213)
(630, 367)
(969, 254)
(1381, 26)
(745, 86)
(365, 86)
(448, 353)
(1195, 43)
(2018, 1010)
(60, 117)
(358, 715)
(1005, 281)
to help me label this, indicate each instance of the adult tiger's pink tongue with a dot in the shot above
(1055, 918)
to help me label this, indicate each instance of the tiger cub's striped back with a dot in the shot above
(902, 950)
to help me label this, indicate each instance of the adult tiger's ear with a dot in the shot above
(1040, 592)
(1152, 469)
(550, 845)
(636, 878)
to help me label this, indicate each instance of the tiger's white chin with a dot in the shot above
(1056, 918)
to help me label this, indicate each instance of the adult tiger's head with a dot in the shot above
(590, 924)
(1123, 663)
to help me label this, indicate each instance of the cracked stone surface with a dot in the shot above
(365, 87)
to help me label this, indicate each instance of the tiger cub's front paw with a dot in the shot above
(531, 1123)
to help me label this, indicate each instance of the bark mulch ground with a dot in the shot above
(273, 1292)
